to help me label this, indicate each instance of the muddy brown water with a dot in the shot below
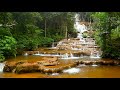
(86, 71)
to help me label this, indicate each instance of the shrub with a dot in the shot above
(7, 46)
(45, 41)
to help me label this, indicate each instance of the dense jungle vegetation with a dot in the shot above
(20, 31)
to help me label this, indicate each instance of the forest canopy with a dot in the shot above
(20, 31)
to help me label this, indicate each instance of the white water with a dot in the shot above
(66, 56)
(54, 74)
(94, 65)
(95, 56)
(26, 54)
(81, 65)
(71, 58)
(71, 54)
(71, 70)
(79, 27)
(37, 53)
(1, 67)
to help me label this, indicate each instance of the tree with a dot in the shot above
(7, 42)
(106, 25)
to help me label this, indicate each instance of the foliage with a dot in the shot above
(45, 41)
(107, 32)
(8, 46)
(57, 37)
(84, 35)
(21, 31)
(2, 58)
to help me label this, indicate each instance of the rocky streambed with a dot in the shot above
(50, 65)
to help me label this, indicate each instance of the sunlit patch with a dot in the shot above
(71, 70)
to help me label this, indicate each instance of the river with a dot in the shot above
(81, 71)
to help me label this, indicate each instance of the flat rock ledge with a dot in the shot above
(38, 66)
(44, 66)
(98, 62)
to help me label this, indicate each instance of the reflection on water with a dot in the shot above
(81, 71)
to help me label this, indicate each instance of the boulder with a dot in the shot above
(10, 66)
(26, 68)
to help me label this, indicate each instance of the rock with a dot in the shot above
(110, 62)
(87, 62)
(9, 66)
(49, 61)
(20, 62)
(116, 62)
(97, 62)
(26, 67)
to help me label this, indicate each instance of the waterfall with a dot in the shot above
(53, 45)
(38, 53)
(79, 27)
(71, 55)
(66, 55)
(1, 67)
(95, 55)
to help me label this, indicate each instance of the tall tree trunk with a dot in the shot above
(45, 27)
(66, 32)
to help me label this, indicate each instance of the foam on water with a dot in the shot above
(54, 74)
(26, 54)
(94, 65)
(71, 70)
(71, 58)
(95, 57)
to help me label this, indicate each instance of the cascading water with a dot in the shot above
(79, 27)
(71, 55)
(1, 67)
(95, 55)
(37, 53)
(67, 56)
